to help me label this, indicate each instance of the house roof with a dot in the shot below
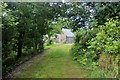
(68, 32)
(58, 35)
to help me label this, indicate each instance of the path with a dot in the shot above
(53, 63)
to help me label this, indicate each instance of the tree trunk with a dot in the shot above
(19, 49)
(20, 44)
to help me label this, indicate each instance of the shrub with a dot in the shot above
(106, 40)
(91, 43)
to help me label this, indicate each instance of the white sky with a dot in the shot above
(63, 1)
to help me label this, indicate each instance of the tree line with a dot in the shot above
(23, 28)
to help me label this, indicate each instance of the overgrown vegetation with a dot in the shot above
(99, 48)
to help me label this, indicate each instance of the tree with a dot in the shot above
(108, 10)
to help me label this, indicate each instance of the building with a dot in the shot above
(66, 36)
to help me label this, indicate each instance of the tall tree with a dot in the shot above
(106, 10)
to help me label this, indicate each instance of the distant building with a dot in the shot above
(66, 36)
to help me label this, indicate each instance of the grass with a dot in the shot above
(47, 46)
(56, 62)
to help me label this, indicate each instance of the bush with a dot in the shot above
(91, 43)
(106, 40)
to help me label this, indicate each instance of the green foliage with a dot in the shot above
(9, 32)
(106, 40)
(79, 14)
(91, 43)
(108, 10)
(23, 28)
